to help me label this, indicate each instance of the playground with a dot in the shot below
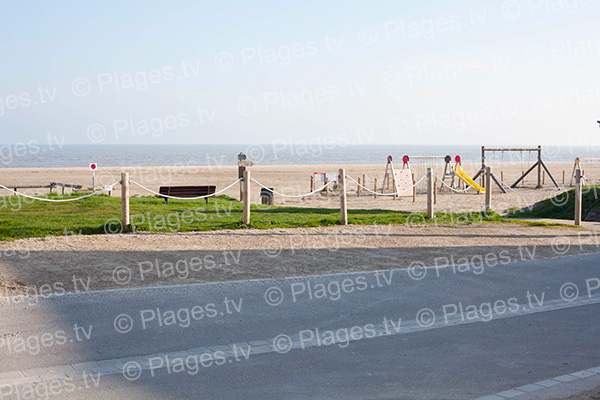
(390, 216)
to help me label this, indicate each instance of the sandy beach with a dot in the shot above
(295, 180)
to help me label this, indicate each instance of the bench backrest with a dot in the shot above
(187, 191)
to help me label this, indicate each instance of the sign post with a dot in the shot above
(93, 167)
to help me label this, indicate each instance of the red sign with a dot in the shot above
(93, 166)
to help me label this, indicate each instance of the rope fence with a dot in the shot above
(246, 180)
(106, 188)
(388, 194)
(184, 198)
(475, 182)
(294, 196)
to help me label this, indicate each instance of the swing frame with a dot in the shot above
(539, 164)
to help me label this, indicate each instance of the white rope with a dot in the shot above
(460, 190)
(300, 195)
(558, 189)
(387, 194)
(184, 198)
(105, 188)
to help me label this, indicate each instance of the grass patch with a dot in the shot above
(562, 206)
(23, 218)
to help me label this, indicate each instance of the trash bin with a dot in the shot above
(266, 196)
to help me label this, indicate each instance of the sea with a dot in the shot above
(50, 156)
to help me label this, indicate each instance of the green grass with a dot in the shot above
(23, 218)
(562, 206)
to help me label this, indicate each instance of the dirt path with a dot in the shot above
(78, 263)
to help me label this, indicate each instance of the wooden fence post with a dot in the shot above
(343, 204)
(241, 170)
(429, 193)
(488, 188)
(577, 196)
(125, 199)
(414, 188)
(312, 183)
(544, 177)
(563, 177)
(435, 180)
(246, 197)
(358, 188)
(375, 189)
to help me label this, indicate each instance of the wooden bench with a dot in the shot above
(186, 191)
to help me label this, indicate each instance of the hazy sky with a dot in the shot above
(515, 72)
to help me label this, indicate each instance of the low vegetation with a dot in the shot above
(562, 206)
(23, 218)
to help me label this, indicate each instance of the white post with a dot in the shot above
(125, 199)
(343, 204)
(577, 196)
(429, 193)
(246, 197)
(488, 188)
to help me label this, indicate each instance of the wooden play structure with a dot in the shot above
(539, 164)
(401, 179)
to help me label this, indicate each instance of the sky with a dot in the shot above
(513, 72)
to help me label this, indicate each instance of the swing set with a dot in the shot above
(539, 164)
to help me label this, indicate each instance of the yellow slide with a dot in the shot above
(467, 179)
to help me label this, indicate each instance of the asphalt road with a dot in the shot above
(451, 333)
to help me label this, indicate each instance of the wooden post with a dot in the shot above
(482, 163)
(312, 183)
(414, 189)
(358, 188)
(364, 181)
(125, 199)
(246, 197)
(343, 210)
(539, 165)
(241, 170)
(429, 193)
(375, 189)
(502, 176)
(577, 196)
(563, 176)
(394, 189)
(434, 190)
(543, 177)
(488, 188)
